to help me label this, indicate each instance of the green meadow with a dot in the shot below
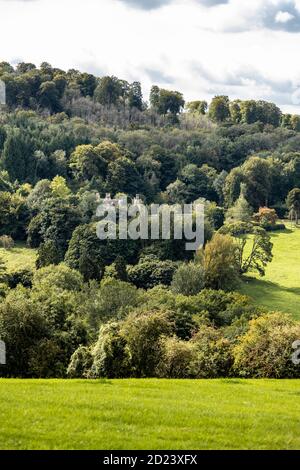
(149, 414)
(18, 257)
(280, 288)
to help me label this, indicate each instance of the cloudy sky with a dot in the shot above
(242, 48)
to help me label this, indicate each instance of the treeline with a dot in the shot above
(117, 101)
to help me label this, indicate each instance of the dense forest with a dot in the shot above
(124, 308)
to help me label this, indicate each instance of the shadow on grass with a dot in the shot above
(98, 382)
(269, 285)
(234, 381)
(286, 231)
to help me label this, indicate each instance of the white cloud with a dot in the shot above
(283, 17)
(241, 48)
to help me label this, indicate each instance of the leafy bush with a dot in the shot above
(221, 262)
(274, 228)
(6, 242)
(266, 349)
(266, 217)
(47, 359)
(111, 354)
(60, 277)
(213, 354)
(236, 228)
(22, 327)
(215, 215)
(80, 363)
(176, 360)
(189, 279)
(151, 272)
(143, 332)
(112, 301)
(40, 325)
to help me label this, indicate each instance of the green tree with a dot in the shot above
(90, 255)
(143, 332)
(135, 96)
(257, 176)
(241, 211)
(108, 91)
(189, 279)
(17, 156)
(80, 363)
(122, 176)
(60, 188)
(254, 247)
(48, 253)
(111, 355)
(86, 162)
(265, 351)
(219, 109)
(293, 204)
(56, 221)
(220, 262)
(49, 97)
(151, 272)
(166, 101)
(235, 111)
(232, 186)
(199, 107)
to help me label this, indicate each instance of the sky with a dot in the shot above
(246, 49)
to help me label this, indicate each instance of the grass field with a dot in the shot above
(19, 257)
(149, 414)
(280, 288)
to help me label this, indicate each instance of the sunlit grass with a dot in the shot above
(280, 288)
(19, 257)
(149, 414)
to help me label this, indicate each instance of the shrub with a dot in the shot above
(220, 262)
(46, 359)
(189, 279)
(111, 302)
(6, 242)
(143, 332)
(266, 217)
(215, 215)
(60, 277)
(48, 253)
(80, 363)
(3, 289)
(151, 272)
(213, 354)
(21, 328)
(184, 324)
(111, 355)
(176, 360)
(236, 228)
(266, 349)
(274, 228)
